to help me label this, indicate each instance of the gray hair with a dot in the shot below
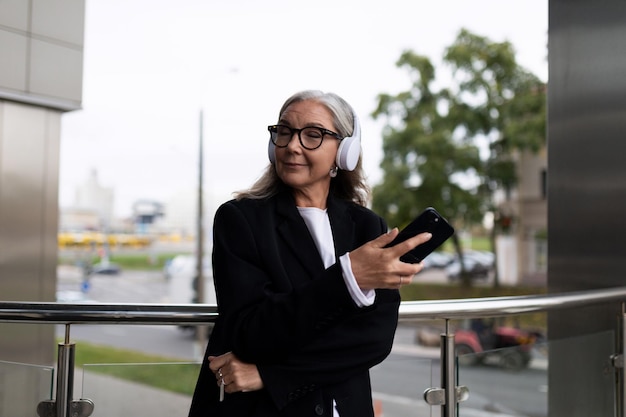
(342, 112)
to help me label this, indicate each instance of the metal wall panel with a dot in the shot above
(62, 20)
(41, 46)
(13, 69)
(586, 193)
(29, 165)
(14, 14)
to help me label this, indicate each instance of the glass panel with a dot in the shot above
(23, 387)
(399, 382)
(145, 389)
(509, 381)
(514, 380)
(505, 370)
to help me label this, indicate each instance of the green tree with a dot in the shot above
(424, 163)
(497, 100)
(431, 137)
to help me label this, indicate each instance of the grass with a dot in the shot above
(481, 243)
(152, 370)
(129, 261)
(422, 291)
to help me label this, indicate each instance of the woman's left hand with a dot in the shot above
(237, 375)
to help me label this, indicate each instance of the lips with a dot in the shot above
(293, 165)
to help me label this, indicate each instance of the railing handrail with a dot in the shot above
(107, 313)
(176, 314)
(507, 306)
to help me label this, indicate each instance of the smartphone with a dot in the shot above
(428, 221)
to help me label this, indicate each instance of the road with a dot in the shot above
(399, 382)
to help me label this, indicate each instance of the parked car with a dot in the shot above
(438, 260)
(477, 264)
(484, 257)
(71, 296)
(182, 274)
(106, 268)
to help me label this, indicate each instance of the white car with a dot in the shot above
(72, 297)
(477, 264)
(181, 273)
(438, 260)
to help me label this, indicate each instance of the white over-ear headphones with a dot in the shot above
(347, 154)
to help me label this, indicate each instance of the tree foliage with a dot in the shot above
(453, 147)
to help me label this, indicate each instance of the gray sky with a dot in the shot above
(151, 65)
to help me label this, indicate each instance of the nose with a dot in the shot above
(294, 145)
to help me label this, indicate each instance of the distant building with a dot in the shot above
(76, 219)
(146, 213)
(181, 213)
(522, 249)
(96, 198)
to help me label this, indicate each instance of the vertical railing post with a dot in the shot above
(448, 395)
(65, 374)
(64, 405)
(618, 361)
(448, 372)
(619, 365)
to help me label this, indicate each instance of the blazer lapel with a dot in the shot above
(296, 235)
(342, 225)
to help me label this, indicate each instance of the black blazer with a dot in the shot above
(283, 311)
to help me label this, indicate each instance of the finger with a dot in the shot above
(412, 242)
(406, 280)
(217, 362)
(386, 238)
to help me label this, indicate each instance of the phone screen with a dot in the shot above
(428, 221)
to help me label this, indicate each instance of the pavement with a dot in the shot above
(113, 397)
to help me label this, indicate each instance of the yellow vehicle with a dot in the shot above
(87, 240)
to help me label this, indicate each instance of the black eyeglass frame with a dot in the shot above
(273, 129)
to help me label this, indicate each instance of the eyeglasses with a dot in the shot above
(310, 137)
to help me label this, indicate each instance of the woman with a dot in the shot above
(307, 292)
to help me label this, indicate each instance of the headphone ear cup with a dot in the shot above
(271, 151)
(350, 148)
(348, 153)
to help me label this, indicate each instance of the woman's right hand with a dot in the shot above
(375, 266)
(236, 374)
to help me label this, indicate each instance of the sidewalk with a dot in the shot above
(113, 397)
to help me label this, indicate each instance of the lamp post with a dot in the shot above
(201, 333)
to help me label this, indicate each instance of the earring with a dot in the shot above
(333, 172)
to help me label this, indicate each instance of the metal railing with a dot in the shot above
(447, 396)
